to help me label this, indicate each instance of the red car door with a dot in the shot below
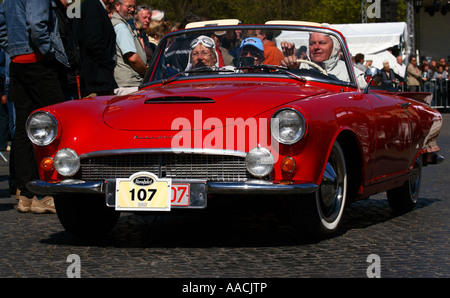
(391, 154)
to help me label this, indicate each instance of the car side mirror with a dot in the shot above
(370, 74)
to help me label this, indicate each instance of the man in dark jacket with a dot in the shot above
(69, 76)
(389, 79)
(29, 33)
(97, 42)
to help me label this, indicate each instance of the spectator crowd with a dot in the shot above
(106, 51)
(428, 76)
(47, 57)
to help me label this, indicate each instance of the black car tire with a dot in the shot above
(403, 199)
(319, 215)
(85, 216)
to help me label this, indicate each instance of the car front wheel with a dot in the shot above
(319, 215)
(85, 216)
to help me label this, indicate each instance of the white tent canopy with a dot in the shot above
(371, 39)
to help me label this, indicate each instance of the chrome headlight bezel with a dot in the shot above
(42, 128)
(290, 120)
(66, 162)
(259, 162)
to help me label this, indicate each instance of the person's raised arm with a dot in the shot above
(290, 57)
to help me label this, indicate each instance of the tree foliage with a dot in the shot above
(260, 11)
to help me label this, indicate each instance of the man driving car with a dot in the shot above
(323, 50)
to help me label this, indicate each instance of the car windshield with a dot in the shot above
(299, 52)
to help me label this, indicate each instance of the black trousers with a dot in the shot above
(33, 85)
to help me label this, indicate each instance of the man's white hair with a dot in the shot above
(157, 15)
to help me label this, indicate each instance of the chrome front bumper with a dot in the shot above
(198, 192)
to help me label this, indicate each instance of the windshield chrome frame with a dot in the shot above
(156, 59)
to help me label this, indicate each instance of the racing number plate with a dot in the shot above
(143, 191)
(180, 194)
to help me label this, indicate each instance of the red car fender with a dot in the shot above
(328, 119)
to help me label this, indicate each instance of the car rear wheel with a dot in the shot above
(85, 216)
(319, 215)
(404, 198)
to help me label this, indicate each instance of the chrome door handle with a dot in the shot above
(405, 105)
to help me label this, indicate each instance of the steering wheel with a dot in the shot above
(313, 65)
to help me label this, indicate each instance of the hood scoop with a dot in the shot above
(179, 99)
(161, 108)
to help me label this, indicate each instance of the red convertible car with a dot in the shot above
(303, 127)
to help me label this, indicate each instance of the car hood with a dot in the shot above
(157, 108)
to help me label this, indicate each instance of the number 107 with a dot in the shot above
(143, 194)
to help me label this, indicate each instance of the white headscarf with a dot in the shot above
(331, 62)
(333, 65)
(189, 65)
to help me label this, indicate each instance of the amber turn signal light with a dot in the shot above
(47, 164)
(288, 164)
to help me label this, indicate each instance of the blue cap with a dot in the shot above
(253, 41)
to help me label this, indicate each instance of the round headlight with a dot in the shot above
(42, 128)
(288, 126)
(259, 162)
(67, 162)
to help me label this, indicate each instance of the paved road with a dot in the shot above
(242, 244)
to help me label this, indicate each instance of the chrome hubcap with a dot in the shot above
(331, 190)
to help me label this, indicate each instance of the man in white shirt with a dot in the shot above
(399, 68)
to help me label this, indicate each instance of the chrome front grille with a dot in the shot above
(217, 168)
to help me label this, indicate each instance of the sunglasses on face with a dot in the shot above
(254, 54)
(128, 6)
